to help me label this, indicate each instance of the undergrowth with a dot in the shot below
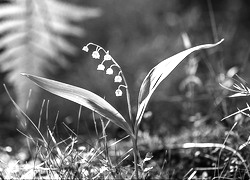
(151, 156)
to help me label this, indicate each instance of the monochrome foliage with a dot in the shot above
(33, 38)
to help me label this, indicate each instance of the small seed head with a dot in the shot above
(118, 79)
(96, 55)
(85, 48)
(118, 92)
(100, 67)
(109, 71)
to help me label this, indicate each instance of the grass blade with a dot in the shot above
(24, 116)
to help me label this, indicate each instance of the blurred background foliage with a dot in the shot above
(139, 34)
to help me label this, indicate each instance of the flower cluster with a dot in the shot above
(119, 78)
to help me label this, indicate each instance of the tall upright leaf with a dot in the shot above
(84, 98)
(158, 74)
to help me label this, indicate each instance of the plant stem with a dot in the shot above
(124, 80)
(134, 140)
(128, 98)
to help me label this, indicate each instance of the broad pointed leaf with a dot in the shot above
(158, 74)
(84, 98)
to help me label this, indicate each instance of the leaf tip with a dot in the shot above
(220, 41)
(25, 74)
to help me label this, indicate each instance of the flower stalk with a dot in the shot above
(109, 71)
(118, 79)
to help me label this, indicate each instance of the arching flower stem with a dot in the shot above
(98, 48)
(128, 99)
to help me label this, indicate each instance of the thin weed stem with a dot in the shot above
(28, 101)
(78, 120)
(106, 151)
(95, 124)
(54, 127)
(47, 114)
(40, 115)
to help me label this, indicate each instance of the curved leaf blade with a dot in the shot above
(83, 97)
(159, 73)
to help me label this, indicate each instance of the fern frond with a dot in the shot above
(33, 38)
(11, 39)
(11, 24)
(13, 9)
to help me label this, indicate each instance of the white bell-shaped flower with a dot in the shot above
(118, 79)
(107, 56)
(85, 48)
(96, 55)
(109, 71)
(100, 67)
(118, 92)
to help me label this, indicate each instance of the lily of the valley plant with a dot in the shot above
(101, 106)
